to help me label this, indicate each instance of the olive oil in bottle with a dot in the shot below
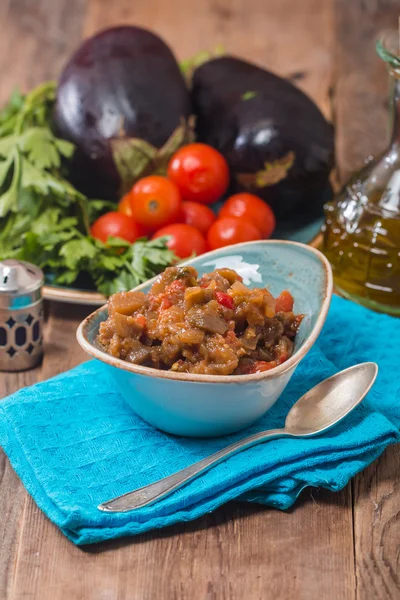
(361, 235)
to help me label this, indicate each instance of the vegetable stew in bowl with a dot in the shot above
(210, 325)
(203, 404)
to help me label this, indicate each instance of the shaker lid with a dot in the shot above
(19, 277)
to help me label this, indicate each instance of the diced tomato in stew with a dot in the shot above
(262, 365)
(141, 320)
(224, 299)
(284, 302)
(165, 303)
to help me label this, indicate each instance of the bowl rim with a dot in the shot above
(81, 333)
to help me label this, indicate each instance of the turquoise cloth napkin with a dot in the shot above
(75, 443)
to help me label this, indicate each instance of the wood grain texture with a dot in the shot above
(12, 494)
(239, 551)
(36, 38)
(274, 34)
(377, 528)
(360, 98)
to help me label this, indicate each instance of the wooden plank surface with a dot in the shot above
(274, 34)
(239, 551)
(36, 38)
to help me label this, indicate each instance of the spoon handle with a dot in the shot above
(149, 494)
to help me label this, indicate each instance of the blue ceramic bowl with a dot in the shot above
(213, 405)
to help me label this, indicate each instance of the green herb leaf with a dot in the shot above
(14, 105)
(5, 166)
(96, 208)
(28, 202)
(151, 256)
(249, 95)
(7, 145)
(43, 182)
(38, 144)
(75, 250)
(33, 178)
(8, 200)
(9, 113)
(116, 242)
(65, 148)
(122, 282)
(67, 277)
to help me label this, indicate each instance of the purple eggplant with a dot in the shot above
(121, 98)
(277, 143)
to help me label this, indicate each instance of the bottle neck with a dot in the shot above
(394, 100)
(381, 183)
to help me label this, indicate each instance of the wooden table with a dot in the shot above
(343, 545)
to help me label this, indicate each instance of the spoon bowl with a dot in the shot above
(318, 410)
(331, 400)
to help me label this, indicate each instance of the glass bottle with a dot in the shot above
(361, 235)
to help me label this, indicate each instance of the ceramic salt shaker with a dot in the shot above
(21, 315)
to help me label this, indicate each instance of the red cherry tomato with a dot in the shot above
(284, 302)
(230, 230)
(155, 202)
(124, 205)
(252, 208)
(198, 215)
(200, 172)
(115, 224)
(185, 239)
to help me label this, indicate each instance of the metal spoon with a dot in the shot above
(319, 409)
